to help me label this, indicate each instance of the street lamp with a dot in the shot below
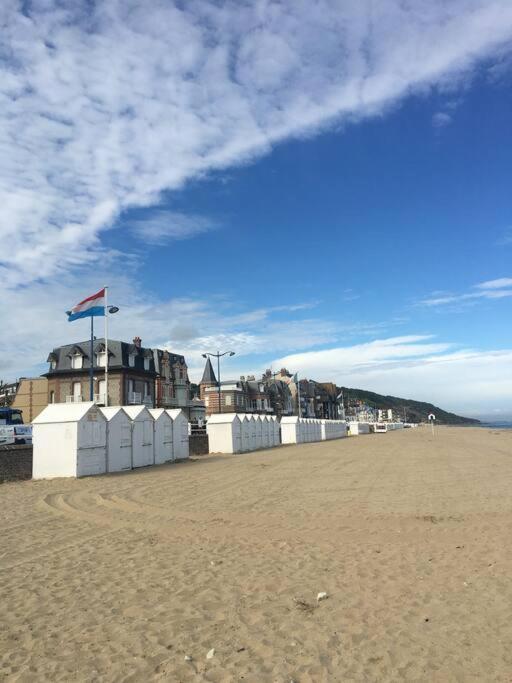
(218, 356)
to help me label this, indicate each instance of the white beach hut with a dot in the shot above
(357, 428)
(163, 435)
(253, 444)
(119, 439)
(69, 440)
(266, 427)
(180, 433)
(290, 429)
(275, 430)
(224, 433)
(258, 422)
(143, 452)
(245, 425)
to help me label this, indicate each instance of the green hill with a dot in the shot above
(415, 411)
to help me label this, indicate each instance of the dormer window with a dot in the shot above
(146, 363)
(131, 360)
(101, 359)
(53, 364)
(77, 361)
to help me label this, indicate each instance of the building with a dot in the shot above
(7, 393)
(31, 397)
(246, 395)
(279, 393)
(136, 375)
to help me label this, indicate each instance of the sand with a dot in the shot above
(120, 577)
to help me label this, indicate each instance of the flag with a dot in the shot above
(93, 305)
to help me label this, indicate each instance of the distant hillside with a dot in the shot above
(416, 411)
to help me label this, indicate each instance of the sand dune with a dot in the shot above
(120, 577)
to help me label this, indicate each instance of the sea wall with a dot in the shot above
(15, 463)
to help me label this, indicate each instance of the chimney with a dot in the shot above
(137, 341)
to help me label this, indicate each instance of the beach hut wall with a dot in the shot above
(180, 433)
(266, 429)
(119, 439)
(290, 429)
(69, 440)
(258, 421)
(163, 435)
(245, 429)
(224, 433)
(143, 451)
(276, 431)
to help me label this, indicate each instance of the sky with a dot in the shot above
(319, 186)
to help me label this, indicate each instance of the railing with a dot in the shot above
(136, 398)
(97, 398)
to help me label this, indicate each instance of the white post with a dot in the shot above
(299, 411)
(106, 346)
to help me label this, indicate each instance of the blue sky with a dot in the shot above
(331, 199)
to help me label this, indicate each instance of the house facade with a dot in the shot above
(245, 395)
(136, 375)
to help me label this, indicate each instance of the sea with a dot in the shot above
(504, 424)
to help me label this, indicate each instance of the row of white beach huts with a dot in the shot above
(240, 433)
(80, 439)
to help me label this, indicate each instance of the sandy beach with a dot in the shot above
(121, 577)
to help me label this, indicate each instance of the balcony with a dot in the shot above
(137, 399)
(99, 399)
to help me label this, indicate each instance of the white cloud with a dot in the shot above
(470, 382)
(440, 120)
(500, 288)
(165, 226)
(103, 107)
(500, 283)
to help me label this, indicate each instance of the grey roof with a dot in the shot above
(208, 374)
(118, 353)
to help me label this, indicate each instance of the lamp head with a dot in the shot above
(113, 309)
(205, 355)
(231, 353)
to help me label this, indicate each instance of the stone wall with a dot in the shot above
(15, 463)
(198, 444)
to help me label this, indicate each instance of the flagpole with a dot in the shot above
(299, 411)
(91, 363)
(106, 346)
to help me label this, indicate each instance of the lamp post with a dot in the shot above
(218, 356)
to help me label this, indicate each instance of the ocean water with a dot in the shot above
(505, 424)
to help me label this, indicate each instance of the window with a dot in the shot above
(77, 390)
(101, 390)
(146, 389)
(77, 361)
(227, 399)
(146, 363)
(131, 360)
(52, 397)
(101, 359)
(53, 364)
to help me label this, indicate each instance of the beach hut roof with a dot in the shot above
(111, 411)
(222, 418)
(63, 412)
(135, 411)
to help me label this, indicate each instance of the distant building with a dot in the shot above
(31, 397)
(246, 395)
(7, 393)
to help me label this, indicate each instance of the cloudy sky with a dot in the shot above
(321, 185)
